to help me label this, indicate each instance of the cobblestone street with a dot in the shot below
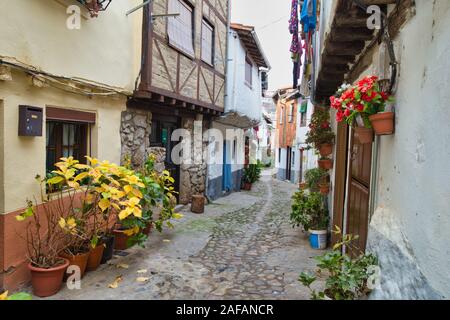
(241, 248)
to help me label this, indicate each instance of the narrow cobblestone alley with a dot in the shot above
(241, 248)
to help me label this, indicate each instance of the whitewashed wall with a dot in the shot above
(240, 97)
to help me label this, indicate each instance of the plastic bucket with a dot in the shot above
(318, 239)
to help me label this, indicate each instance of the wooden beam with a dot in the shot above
(377, 2)
(350, 34)
(345, 48)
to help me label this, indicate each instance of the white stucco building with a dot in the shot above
(246, 64)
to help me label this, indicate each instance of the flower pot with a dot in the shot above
(198, 204)
(325, 149)
(318, 239)
(382, 123)
(95, 257)
(121, 240)
(47, 282)
(324, 188)
(148, 229)
(303, 186)
(109, 248)
(247, 186)
(325, 164)
(364, 135)
(80, 260)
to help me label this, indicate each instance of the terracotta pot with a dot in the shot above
(324, 188)
(95, 257)
(364, 135)
(383, 123)
(325, 164)
(79, 260)
(198, 204)
(109, 248)
(121, 242)
(47, 282)
(325, 149)
(148, 229)
(247, 186)
(303, 186)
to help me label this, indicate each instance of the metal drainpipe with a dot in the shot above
(373, 177)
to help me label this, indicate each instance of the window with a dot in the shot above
(279, 155)
(65, 139)
(181, 28)
(291, 113)
(303, 119)
(293, 158)
(235, 149)
(248, 71)
(207, 43)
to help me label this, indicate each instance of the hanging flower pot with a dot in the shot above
(364, 135)
(383, 123)
(324, 188)
(325, 149)
(325, 164)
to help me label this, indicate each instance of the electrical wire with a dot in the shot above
(61, 82)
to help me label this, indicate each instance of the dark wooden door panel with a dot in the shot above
(357, 222)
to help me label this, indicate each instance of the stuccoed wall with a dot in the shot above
(410, 227)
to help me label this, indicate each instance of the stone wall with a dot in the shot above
(160, 157)
(193, 175)
(135, 135)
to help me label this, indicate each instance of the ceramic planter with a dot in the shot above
(198, 204)
(364, 135)
(383, 123)
(109, 248)
(80, 260)
(148, 229)
(95, 257)
(325, 149)
(247, 186)
(47, 282)
(325, 164)
(324, 188)
(318, 239)
(121, 240)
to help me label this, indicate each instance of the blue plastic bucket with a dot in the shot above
(318, 239)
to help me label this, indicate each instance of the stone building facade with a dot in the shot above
(182, 85)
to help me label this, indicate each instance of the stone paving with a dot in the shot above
(241, 248)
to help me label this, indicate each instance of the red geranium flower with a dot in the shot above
(347, 112)
(339, 116)
(359, 107)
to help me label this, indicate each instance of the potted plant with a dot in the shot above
(320, 134)
(308, 211)
(44, 240)
(252, 173)
(314, 177)
(364, 104)
(325, 163)
(303, 185)
(347, 278)
(324, 187)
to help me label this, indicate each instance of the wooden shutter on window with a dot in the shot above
(60, 114)
(180, 29)
(207, 42)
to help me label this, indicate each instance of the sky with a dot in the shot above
(271, 20)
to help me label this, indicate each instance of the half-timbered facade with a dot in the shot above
(182, 83)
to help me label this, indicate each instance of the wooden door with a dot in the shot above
(358, 191)
(288, 163)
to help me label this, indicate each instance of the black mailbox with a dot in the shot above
(30, 121)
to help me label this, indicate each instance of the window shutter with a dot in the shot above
(179, 29)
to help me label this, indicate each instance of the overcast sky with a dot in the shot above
(271, 20)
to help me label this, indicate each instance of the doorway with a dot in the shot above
(162, 129)
(288, 163)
